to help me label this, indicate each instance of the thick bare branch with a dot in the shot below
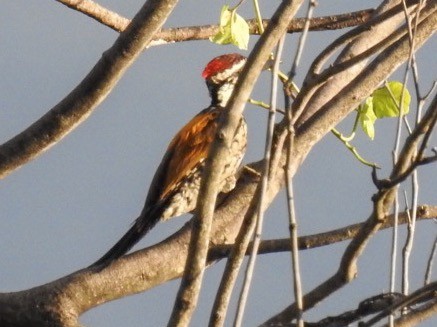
(367, 38)
(417, 315)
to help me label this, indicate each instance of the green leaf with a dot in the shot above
(233, 29)
(386, 100)
(239, 31)
(367, 117)
(223, 36)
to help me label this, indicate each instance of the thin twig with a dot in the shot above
(394, 242)
(258, 16)
(414, 180)
(406, 251)
(297, 279)
(428, 273)
(352, 149)
(264, 183)
(99, 13)
(419, 161)
(420, 100)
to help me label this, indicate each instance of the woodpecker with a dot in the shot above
(175, 185)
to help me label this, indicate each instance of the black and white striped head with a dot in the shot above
(221, 74)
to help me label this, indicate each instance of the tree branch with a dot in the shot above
(387, 61)
(99, 13)
(422, 132)
(364, 37)
(424, 212)
(383, 304)
(191, 33)
(426, 295)
(417, 315)
(63, 300)
(150, 267)
(90, 92)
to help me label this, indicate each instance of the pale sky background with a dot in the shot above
(63, 210)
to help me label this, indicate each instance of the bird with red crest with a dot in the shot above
(175, 185)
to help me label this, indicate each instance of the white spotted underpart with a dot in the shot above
(185, 199)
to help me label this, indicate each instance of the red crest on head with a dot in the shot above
(221, 63)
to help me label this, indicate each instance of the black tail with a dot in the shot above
(144, 223)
